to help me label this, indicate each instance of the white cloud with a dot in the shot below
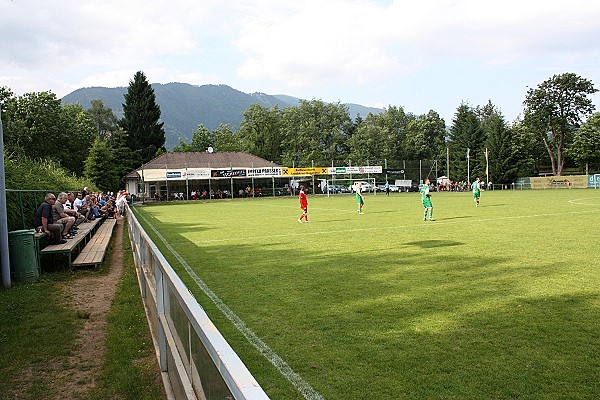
(362, 51)
(366, 41)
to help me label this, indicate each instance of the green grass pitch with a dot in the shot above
(496, 302)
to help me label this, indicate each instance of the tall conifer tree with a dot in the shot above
(141, 121)
(466, 141)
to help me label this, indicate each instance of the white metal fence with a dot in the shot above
(196, 361)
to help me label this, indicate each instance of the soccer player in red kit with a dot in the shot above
(303, 205)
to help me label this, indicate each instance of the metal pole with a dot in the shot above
(468, 166)
(350, 166)
(209, 182)
(312, 162)
(231, 169)
(448, 162)
(143, 186)
(5, 260)
(187, 184)
(385, 164)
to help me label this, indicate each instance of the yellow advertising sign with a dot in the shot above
(304, 171)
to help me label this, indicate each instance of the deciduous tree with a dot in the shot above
(585, 149)
(104, 119)
(201, 140)
(261, 133)
(555, 109)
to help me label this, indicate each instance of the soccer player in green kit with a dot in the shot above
(476, 188)
(360, 199)
(426, 199)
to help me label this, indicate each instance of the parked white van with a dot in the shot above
(365, 186)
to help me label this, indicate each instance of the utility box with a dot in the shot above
(24, 256)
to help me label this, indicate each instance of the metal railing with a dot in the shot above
(195, 359)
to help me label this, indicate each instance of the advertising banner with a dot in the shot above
(304, 171)
(264, 172)
(369, 169)
(182, 174)
(228, 173)
(198, 173)
(594, 181)
(559, 182)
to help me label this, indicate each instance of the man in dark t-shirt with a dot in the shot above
(44, 221)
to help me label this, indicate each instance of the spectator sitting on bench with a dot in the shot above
(94, 205)
(44, 222)
(90, 214)
(81, 206)
(72, 211)
(108, 210)
(60, 216)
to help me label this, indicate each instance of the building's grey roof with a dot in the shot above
(195, 159)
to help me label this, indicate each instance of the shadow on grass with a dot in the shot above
(426, 244)
(457, 217)
(381, 212)
(373, 322)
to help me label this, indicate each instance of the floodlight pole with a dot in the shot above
(448, 162)
(5, 259)
(468, 167)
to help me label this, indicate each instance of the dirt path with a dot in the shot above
(90, 296)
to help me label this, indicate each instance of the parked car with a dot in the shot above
(366, 186)
(334, 188)
(414, 187)
(393, 188)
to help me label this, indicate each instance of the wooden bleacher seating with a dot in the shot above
(93, 252)
(84, 234)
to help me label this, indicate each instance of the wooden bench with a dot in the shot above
(93, 252)
(85, 231)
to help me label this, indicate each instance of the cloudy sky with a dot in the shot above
(421, 55)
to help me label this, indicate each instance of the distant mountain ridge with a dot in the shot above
(183, 106)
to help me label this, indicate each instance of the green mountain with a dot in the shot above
(183, 106)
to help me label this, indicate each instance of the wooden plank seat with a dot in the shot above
(93, 252)
(85, 231)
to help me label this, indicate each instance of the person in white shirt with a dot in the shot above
(72, 210)
(80, 206)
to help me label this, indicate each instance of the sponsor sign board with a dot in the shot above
(304, 171)
(263, 172)
(369, 169)
(227, 173)
(182, 174)
(594, 181)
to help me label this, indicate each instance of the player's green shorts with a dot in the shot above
(476, 194)
(359, 200)
(427, 202)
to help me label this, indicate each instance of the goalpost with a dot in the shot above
(344, 185)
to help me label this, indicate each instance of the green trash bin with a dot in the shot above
(24, 259)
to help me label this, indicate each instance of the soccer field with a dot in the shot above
(500, 301)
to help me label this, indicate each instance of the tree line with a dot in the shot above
(558, 130)
(91, 143)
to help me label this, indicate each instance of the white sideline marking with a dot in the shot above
(296, 380)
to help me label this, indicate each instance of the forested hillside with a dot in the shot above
(184, 106)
